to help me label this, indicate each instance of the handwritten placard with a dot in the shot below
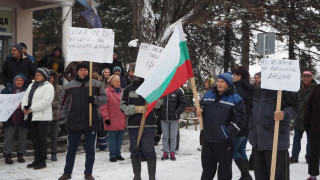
(147, 58)
(8, 104)
(280, 74)
(95, 45)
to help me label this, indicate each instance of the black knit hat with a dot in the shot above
(44, 72)
(82, 65)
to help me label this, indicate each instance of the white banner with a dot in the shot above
(8, 104)
(280, 74)
(147, 58)
(94, 45)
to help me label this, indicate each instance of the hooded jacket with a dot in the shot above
(75, 107)
(53, 62)
(261, 122)
(57, 95)
(173, 105)
(223, 115)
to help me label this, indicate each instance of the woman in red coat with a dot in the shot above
(114, 119)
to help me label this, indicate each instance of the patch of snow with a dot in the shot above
(133, 43)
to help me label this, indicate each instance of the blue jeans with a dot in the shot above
(115, 143)
(146, 145)
(296, 146)
(74, 139)
(239, 147)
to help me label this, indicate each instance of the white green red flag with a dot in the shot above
(172, 71)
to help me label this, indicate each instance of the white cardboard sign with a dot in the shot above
(95, 45)
(8, 104)
(280, 74)
(148, 58)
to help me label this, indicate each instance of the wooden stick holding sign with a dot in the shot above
(275, 139)
(195, 95)
(142, 123)
(90, 94)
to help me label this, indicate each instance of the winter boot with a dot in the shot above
(152, 167)
(250, 166)
(172, 156)
(243, 169)
(54, 157)
(20, 158)
(136, 166)
(8, 159)
(65, 176)
(40, 166)
(165, 156)
(88, 177)
(294, 159)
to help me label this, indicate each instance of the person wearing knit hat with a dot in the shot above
(117, 71)
(24, 52)
(82, 65)
(18, 47)
(44, 72)
(114, 119)
(223, 112)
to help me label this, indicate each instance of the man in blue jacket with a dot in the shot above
(223, 117)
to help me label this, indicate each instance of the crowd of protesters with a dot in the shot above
(233, 110)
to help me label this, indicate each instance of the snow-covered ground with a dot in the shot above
(186, 167)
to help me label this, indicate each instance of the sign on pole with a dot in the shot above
(280, 74)
(8, 104)
(148, 58)
(266, 43)
(94, 45)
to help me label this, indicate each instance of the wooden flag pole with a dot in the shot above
(90, 94)
(275, 139)
(195, 95)
(143, 121)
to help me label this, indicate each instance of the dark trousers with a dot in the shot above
(38, 133)
(213, 154)
(296, 146)
(313, 166)
(74, 139)
(201, 139)
(146, 145)
(262, 165)
(158, 134)
(54, 130)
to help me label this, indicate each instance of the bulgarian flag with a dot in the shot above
(172, 71)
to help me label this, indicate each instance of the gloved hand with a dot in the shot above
(107, 121)
(229, 144)
(25, 123)
(91, 99)
(307, 128)
(141, 109)
(5, 124)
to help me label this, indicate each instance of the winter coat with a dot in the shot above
(53, 63)
(75, 107)
(41, 102)
(223, 115)
(302, 97)
(245, 90)
(12, 67)
(123, 82)
(312, 111)
(173, 105)
(115, 63)
(17, 117)
(129, 100)
(71, 71)
(111, 110)
(261, 122)
(57, 95)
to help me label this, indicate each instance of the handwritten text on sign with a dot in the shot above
(280, 74)
(94, 45)
(147, 58)
(8, 104)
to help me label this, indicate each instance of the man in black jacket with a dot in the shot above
(16, 64)
(170, 111)
(223, 117)
(75, 107)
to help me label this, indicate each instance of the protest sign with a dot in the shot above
(148, 58)
(280, 74)
(95, 45)
(8, 104)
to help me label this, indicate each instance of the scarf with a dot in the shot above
(34, 87)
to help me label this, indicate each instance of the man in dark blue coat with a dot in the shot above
(223, 117)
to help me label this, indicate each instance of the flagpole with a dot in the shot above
(142, 123)
(90, 94)
(195, 95)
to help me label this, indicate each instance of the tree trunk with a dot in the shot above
(291, 30)
(245, 43)
(227, 39)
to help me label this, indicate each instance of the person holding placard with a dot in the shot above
(75, 107)
(223, 117)
(15, 123)
(306, 86)
(37, 108)
(261, 131)
(311, 125)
